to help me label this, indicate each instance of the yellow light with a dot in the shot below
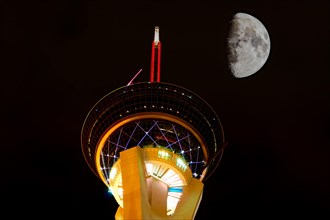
(120, 192)
(113, 173)
(164, 155)
(181, 164)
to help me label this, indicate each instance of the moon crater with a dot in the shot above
(248, 45)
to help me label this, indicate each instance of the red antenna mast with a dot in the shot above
(155, 56)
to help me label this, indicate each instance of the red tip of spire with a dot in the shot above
(155, 59)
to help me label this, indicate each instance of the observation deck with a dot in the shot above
(156, 114)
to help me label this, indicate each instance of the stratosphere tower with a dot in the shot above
(153, 144)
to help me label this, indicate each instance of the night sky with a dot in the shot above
(60, 57)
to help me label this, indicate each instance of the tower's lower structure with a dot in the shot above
(153, 145)
(146, 196)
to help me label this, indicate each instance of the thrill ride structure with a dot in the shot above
(153, 144)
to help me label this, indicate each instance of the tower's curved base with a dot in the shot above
(147, 198)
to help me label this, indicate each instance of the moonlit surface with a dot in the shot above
(248, 45)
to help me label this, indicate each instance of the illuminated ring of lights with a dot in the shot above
(141, 116)
(154, 97)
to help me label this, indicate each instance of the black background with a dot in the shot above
(60, 57)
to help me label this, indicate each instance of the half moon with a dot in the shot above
(248, 45)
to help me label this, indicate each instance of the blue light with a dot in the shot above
(175, 189)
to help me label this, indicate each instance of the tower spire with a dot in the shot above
(155, 56)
